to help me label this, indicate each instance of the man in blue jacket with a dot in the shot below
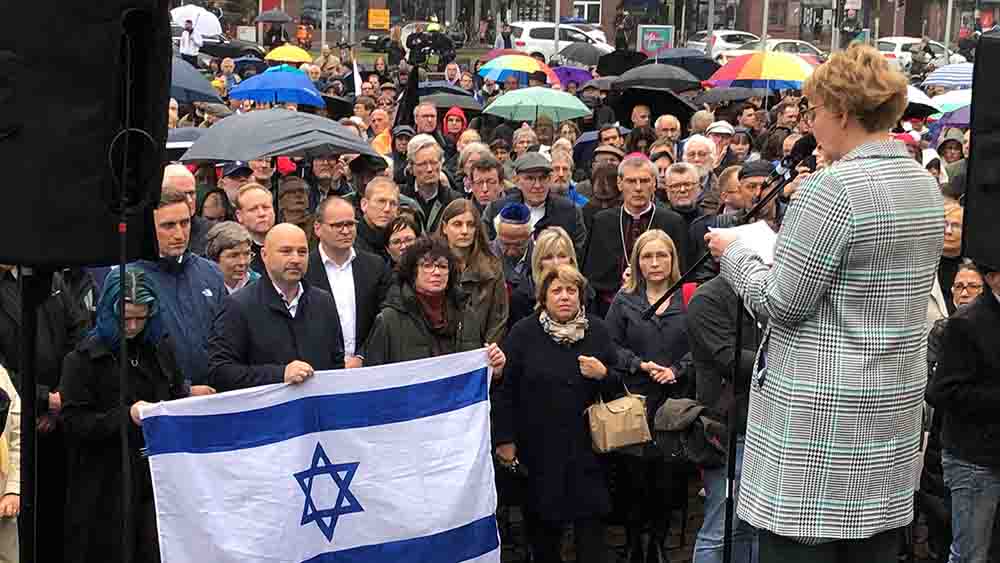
(190, 288)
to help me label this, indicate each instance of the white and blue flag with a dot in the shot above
(374, 465)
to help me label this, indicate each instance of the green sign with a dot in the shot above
(654, 39)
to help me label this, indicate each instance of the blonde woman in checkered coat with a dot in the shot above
(835, 406)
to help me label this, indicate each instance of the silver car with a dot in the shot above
(720, 40)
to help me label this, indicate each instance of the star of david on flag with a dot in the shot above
(353, 465)
(342, 474)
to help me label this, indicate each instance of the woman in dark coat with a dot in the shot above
(559, 361)
(93, 415)
(650, 353)
(425, 313)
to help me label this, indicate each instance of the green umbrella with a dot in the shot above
(527, 104)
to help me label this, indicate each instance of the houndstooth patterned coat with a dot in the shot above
(835, 408)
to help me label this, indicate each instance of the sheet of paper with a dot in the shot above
(758, 237)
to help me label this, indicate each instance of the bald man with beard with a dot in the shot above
(278, 328)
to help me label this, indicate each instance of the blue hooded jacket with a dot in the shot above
(191, 293)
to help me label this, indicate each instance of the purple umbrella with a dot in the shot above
(569, 74)
(959, 118)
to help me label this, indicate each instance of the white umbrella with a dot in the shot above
(205, 22)
(957, 75)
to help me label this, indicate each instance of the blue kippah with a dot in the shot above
(515, 213)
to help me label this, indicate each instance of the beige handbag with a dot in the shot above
(619, 424)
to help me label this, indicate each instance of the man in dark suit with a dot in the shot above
(358, 280)
(616, 230)
(278, 328)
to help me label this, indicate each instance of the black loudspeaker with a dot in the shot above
(83, 91)
(981, 230)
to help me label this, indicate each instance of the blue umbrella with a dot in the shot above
(187, 85)
(583, 150)
(951, 76)
(243, 63)
(279, 85)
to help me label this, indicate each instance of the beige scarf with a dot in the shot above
(569, 332)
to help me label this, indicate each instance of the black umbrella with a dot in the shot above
(658, 76)
(692, 60)
(180, 139)
(187, 85)
(338, 107)
(619, 62)
(273, 16)
(602, 83)
(446, 101)
(734, 94)
(440, 86)
(274, 132)
(583, 53)
(661, 101)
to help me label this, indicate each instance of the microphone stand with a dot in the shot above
(784, 179)
(687, 276)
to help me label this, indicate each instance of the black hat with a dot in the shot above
(404, 131)
(539, 76)
(236, 168)
(366, 162)
(756, 169)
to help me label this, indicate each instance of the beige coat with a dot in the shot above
(10, 464)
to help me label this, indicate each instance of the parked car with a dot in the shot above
(897, 51)
(792, 46)
(592, 31)
(720, 40)
(221, 46)
(376, 41)
(539, 37)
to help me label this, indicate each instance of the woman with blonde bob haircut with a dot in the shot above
(553, 247)
(846, 303)
(650, 353)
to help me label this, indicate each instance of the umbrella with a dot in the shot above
(440, 86)
(273, 16)
(503, 66)
(919, 104)
(526, 104)
(658, 76)
(180, 139)
(569, 74)
(951, 76)
(954, 100)
(494, 53)
(446, 101)
(583, 53)
(772, 70)
(583, 150)
(661, 101)
(730, 94)
(960, 118)
(692, 60)
(205, 22)
(274, 132)
(338, 107)
(278, 86)
(243, 63)
(289, 54)
(187, 85)
(619, 62)
(602, 83)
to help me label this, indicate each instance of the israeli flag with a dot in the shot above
(387, 464)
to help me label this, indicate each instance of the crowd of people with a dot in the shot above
(476, 233)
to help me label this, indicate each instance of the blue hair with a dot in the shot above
(139, 290)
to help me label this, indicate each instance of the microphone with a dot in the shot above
(801, 150)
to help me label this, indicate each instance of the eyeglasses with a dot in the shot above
(538, 180)
(426, 164)
(405, 241)
(343, 225)
(682, 186)
(809, 115)
(431, 266)
(970, 287)
(486, 182)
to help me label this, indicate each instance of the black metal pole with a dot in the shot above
(35, 286)
(727, 542)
